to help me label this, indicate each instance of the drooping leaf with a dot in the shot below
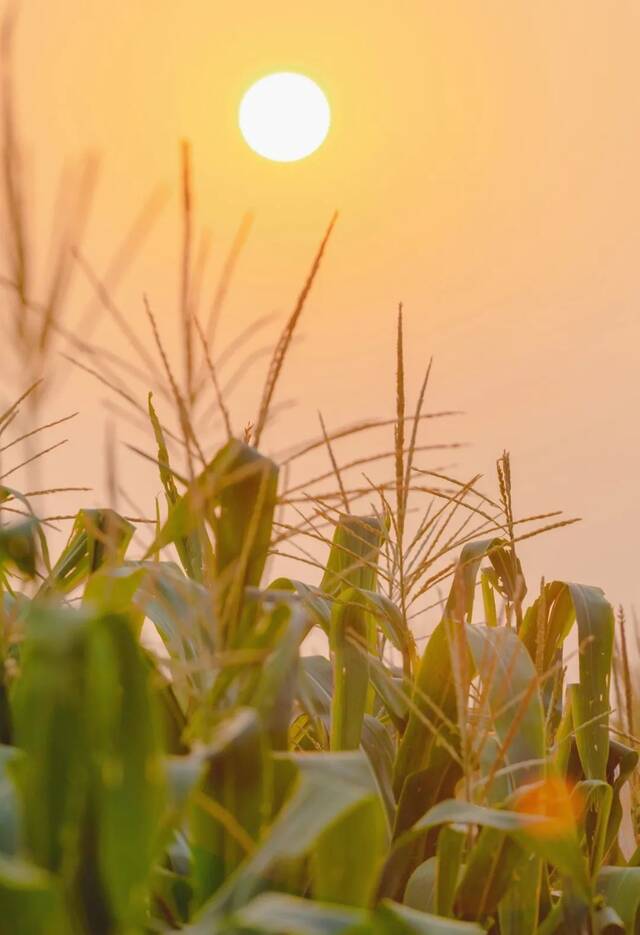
(111, 589)
(183, 613)
(236, 495)
(97, 536)
(313, 599)
(353, 559)
(19, 546)
(273, 692)
(590, 697)
(594, 617)
(593, 799)
(620, 768)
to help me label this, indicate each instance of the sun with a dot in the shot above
(284, 116)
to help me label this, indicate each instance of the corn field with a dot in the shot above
(174, 756)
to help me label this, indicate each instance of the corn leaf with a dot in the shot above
(9, 807)
(361, 837)
(227, 816)
(620, 886)
(510, 685)
(31, 901)
(328, 786)
(395, 919)
(348, 643)
(353, 557)
(279, 914)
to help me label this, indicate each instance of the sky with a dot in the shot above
(483, 158)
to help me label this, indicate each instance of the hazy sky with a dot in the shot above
(484, 158)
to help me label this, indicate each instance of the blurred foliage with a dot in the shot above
(234, 783)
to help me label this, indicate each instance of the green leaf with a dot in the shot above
(171, 893)
(556, 625)
(348, 643)
(510, 684)
(189, 547)
(594, 799)
(489, 870)
(90, 780)
(52, 776)
(289, 915)
(313, 599)
(246, 498)
(26, 553)
(394, 919)
(236, 495)
(19, 546)
(9, 805)
(424, 787)
(393, 691)
(182, 612)
(389, 619)
(328, 786)
(534, 833)
(316, 684)
(462, 594)
(622, 763)
(590, 698)
(97, 536)
(519, 909)
(128, 791)
(450, 849)
(353, 558)
(31, 901)
(273, 694)
(620, 887)
(232, 802)
(378, 745)
(111, 589)
(360, 838)
(420, 892)
(431, 738)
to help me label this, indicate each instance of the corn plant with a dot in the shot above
(223, 778)
(234, 783)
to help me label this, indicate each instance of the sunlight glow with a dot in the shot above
(284, 117)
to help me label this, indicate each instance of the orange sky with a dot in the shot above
(484, 160)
